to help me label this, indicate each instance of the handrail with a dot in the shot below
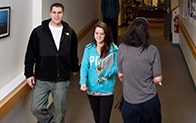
(87, 29)
(188, 39)
(24, 89)
(174, 8)
(13, 99)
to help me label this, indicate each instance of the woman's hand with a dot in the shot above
(99, 71)
(157, 79)
(83, 87)
(120, 76)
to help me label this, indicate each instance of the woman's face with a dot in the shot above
(99, 35)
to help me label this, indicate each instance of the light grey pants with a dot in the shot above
(39, 103)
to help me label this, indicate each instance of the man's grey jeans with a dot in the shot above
(39, 103)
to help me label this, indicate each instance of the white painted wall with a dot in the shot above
(191, 29)
(25, 15)
(174, 3)
(12, 48)
(175, 36)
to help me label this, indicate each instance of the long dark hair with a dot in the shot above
(107, 40)
(138, 34)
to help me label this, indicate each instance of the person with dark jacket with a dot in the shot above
(110, 10)
(52, 52)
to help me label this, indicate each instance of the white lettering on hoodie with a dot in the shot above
(94, 59)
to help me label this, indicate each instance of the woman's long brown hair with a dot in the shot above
(138, 34)
(107, 40)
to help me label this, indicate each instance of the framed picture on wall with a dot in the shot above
(4, 21)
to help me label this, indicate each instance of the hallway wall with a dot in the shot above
(191, 29)
(12, 48)
(24, 16)
(174, 3)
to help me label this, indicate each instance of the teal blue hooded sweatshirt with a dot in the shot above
(89, 75)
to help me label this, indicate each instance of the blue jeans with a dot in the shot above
(39, 103)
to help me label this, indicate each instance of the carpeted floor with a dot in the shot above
(177, 95)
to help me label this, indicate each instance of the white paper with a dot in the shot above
(108, 61)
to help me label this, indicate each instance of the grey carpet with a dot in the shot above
(177, 95)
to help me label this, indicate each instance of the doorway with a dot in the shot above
(157, 12)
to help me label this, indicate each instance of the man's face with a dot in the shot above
(56, 15)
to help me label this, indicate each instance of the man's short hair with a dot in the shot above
(57, 5)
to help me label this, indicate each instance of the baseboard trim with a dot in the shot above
(175, 45)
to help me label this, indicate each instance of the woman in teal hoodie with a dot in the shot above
(99, 82)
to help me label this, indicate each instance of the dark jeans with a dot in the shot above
(101, 107)
(113, 24)
(146, 112)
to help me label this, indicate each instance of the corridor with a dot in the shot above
(177, 95)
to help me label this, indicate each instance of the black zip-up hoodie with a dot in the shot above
(50, 64)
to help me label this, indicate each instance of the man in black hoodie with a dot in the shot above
(52, 51)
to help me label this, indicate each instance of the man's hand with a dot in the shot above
(31, 81)
(74, 74)
(116, 19)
